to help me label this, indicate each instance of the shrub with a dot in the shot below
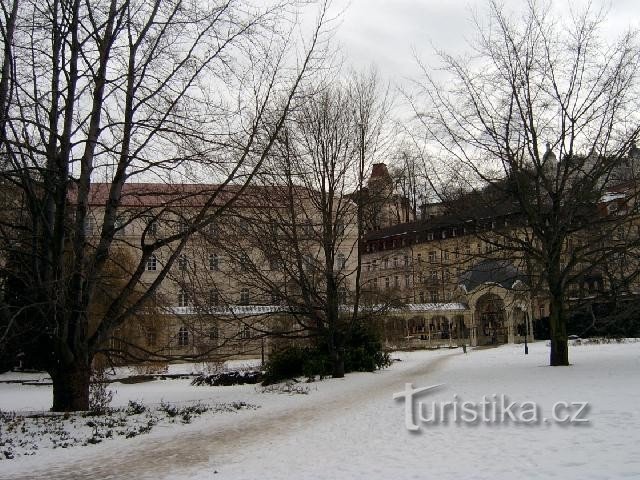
(285, 364)
(362, 353)
(135, 408)
(228, 378)
(151, 368)
(100, 396)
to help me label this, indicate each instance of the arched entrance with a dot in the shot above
(491, 320)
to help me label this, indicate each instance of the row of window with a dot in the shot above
(186, 300)
(183, 226)
(244, 264)
(184, 336)
(432, 257)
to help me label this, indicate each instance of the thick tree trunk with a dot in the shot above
(71, 387)
(559, 355)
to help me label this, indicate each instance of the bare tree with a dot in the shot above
(121, 91)
(533, 80)
(303, 228)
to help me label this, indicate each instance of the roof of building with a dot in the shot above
(188, 194)
(379, 170)
(439, 222)
(500, 272)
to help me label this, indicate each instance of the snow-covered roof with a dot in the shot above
(246, 310)
(611, 196)
(430, 307)
(229, 310)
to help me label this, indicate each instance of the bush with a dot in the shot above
(362, 353)
(100, 396)
(285, 364)
(135, 408)
(226, 379)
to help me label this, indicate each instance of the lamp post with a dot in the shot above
(526, 332)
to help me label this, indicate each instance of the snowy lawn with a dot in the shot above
(353, 428)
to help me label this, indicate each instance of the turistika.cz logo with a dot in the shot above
(492, 409)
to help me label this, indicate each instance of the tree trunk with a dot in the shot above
(71, 387)
(336, 354)
(337, 360)
(559, 355)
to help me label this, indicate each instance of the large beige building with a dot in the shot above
(436, 281)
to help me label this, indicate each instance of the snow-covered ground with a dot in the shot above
(353, 428)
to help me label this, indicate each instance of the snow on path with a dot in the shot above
(219, 439)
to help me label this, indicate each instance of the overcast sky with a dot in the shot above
(384, 32)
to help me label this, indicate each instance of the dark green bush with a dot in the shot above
(362, 353)
(286, 363)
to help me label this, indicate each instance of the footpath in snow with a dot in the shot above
(353, 428)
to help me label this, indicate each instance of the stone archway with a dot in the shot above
(491, 322)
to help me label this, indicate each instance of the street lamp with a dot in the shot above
(526, 333)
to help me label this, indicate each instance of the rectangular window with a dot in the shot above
(183, 337)
(213, 262)
(152, 263)
(245, 333)
(396, 281)
(119, 226)
(430, 236)
(342, 295)
(407, 281)
(183, 298)
(244, 263)
(307, 228)
(214, 299)
(406, 261)
(308, 263)
(183, 262)
(244, 296)
(432, 257)
(395, 262)
(387, 282)
(89, 226)
(152, 227)
(214, 333)
(152, 337)
(341, 261)
(275, 264)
